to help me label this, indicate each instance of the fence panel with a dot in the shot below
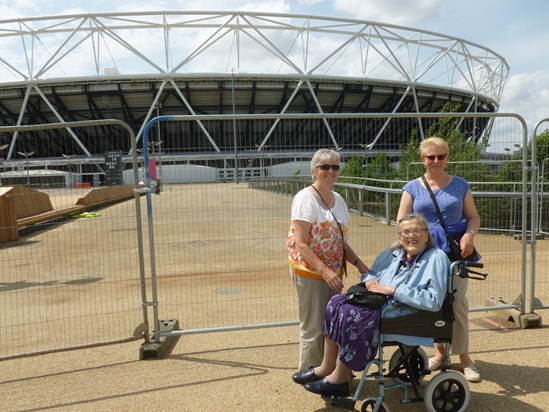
(229, 266)
(220, 225)
(539, 279)
(71, 278)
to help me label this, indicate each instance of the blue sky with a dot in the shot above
(515, 29)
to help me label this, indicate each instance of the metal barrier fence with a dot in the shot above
(540, 220)
(217, 244)
(259, 278)
(73, 277)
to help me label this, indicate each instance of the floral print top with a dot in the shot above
(324, 237)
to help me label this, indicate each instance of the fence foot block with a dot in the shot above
(524, 320)
(161, 349)
(530, 320)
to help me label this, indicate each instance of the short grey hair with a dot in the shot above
(423, 223)
(323, 156)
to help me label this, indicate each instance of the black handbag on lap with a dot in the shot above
(361, 296)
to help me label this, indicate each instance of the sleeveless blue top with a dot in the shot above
(450, 201)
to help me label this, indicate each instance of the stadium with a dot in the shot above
(137, 66)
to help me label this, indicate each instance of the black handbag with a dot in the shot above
(453, 240)
(359, 295)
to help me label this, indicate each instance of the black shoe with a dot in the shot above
(323, 387)
(307, 376)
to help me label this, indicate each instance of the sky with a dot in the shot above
(514, 29)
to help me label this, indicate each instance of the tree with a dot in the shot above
(353, 168)
(542, 147)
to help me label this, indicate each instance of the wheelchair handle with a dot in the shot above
(473, 264)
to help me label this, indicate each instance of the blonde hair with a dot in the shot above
(433, 141)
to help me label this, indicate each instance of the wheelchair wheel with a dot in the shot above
(419, 362)
(369, 404)
(448, 392)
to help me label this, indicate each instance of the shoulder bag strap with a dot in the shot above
(340, 230)
(433, 198)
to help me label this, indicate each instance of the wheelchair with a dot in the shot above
(447, 391)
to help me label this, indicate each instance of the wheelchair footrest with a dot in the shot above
(413, 400)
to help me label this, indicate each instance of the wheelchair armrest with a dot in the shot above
(393, 304)
(396, 304)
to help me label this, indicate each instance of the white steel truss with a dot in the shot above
(169, 45)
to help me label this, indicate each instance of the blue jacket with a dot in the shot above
(422, 286)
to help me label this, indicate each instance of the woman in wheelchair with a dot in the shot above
(412, 272)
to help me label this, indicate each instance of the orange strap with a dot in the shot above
(306, 273)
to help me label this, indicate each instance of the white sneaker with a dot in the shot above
(435, 365)
(471, 373)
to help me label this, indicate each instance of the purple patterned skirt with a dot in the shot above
(352, 328)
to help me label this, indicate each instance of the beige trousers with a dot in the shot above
(460, 330)
(312, 297)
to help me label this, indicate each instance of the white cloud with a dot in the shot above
(400, 12)
(528, 95)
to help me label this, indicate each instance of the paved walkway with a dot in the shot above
(250, 371)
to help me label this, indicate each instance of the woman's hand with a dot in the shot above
(334, 282)
(466, 244)
(377, 287)
(371, 283)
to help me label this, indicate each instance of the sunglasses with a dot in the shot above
(438, 157)
(328, 167)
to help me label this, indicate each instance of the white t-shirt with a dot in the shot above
(325, 236)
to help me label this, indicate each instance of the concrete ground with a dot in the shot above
(251, 371)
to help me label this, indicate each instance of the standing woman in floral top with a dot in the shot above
(317, 247)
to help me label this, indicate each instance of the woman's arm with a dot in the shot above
(302, 229)
(406, 205)
(473, 224)
(354, 260)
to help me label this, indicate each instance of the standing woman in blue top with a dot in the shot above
(456, 203)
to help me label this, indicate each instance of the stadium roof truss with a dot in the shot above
(135, 66)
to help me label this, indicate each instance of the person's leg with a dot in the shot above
(460, 329)
(329, 359)
(341, 373)
(460, 332)
(337, 382)
(439, 353)
(312, 297)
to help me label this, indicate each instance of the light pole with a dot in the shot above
(68, 157)
(2, 148)
(27, 155)
(262, 164)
